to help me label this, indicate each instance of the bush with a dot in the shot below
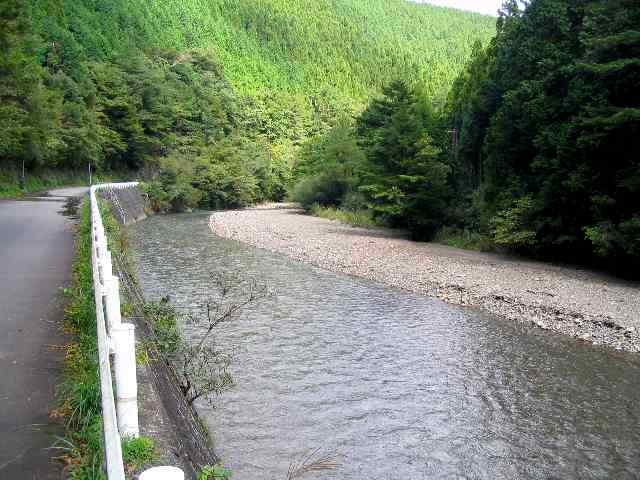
(226, 186)
(357, 218)
(138, 451)
(323, 189)
(215, 472)
(510, 225)
(617, 243)
(354, 202)
(172, 190)
(464, 238)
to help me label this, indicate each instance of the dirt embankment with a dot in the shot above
(590, 306)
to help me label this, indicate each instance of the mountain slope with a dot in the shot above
(354, 47)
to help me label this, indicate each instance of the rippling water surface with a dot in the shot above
(402, 386)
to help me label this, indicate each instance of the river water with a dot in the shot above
(400, 386)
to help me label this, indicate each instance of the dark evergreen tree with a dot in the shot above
(406, 180)
(548, 114)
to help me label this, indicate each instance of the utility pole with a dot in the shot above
(22, 178)
(454, 142)
(269, 171)
(90, 174)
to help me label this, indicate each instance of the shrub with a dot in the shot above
(357, 218)
(354, 202)
(138, 451)
(323, 189)
(464, 238)
(510, 225)
(215, 472)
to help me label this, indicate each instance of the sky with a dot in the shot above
(488, 7)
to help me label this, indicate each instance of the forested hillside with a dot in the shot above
(537, 150)
(215, 95)
(346, 46)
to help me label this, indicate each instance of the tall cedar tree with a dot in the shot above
(405, 182)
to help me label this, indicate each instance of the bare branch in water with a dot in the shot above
(314, 461)
(202, 368)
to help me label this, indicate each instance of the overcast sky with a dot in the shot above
(489, 7)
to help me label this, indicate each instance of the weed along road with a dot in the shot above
(36, 250)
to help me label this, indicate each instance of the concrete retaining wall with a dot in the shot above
(129, 205)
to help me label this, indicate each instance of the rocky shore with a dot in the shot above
(592, 307)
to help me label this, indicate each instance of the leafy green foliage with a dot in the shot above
(44, 179)
(29, 111)
(223, 103)
(388, 162)
(345, 48)
(214, 472)
(535, 150)
(510, 225)
(464, 238)
(327, 167)
(141, 85)
(166, 336)
(322, 189)
(138, 451)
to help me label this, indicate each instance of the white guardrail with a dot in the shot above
(120, 416)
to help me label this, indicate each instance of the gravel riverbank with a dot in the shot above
(590, 306)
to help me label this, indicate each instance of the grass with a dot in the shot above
(137, 452)
(358, 218)
(465, 239)
(79, 392)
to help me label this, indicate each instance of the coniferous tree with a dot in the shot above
(405, 181)
(550, 113)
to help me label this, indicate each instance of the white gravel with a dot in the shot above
(590, 306)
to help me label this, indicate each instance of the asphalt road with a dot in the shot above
(36, 251)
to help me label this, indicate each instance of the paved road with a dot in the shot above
(36, 250)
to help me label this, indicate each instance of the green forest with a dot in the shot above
(536, 150)
(213, 96)
(518, 134)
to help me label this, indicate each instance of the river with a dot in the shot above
(401, 386)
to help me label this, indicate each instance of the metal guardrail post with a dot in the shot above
(126, 384)
(112, 300)
(162, 473)
(108, 266)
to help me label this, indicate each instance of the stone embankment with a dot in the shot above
(589, 306)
